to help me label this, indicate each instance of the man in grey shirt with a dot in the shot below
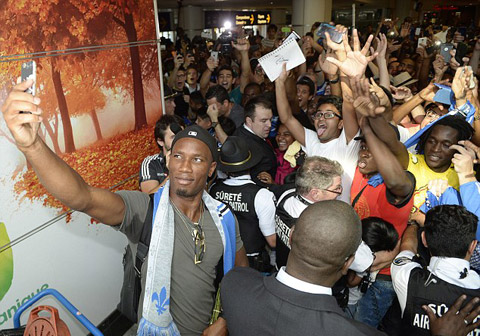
(192, 160)
(190, 306)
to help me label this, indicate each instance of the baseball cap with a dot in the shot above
(197, 132)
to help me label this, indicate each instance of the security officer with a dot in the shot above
(253, 205)
(450, 237)
(318, 179)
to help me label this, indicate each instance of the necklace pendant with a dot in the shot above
(196, 261)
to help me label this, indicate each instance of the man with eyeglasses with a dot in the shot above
(332, 138)
(318, 179)
(177, 81)
(191, 232)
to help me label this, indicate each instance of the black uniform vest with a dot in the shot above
(439, 295)
(283, 224)
(241, 199)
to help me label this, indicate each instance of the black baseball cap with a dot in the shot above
(197, 132)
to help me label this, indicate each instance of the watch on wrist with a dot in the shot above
(214, 124)
(334, 81)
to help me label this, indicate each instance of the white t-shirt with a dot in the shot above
(405, 134)
(338, 150)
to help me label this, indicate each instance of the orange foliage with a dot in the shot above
(101, 165)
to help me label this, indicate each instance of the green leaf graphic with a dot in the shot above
(6, 263)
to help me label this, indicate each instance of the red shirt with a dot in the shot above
(373, 202)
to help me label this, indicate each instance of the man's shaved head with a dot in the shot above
(326, 234)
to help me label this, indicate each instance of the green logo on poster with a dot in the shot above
(6, 263)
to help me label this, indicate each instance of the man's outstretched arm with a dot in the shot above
(284, 110)
(55, 175)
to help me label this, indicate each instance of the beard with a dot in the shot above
(181, 192)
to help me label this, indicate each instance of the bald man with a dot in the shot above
(298, 300)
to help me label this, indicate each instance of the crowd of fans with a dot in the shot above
(360, 122)
(348, 185)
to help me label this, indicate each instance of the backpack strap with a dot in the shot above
(142, 252)
(145, 237)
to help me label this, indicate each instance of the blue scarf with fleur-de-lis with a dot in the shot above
(156, 318)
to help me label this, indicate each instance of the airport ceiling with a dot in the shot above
(287, 4)
(227, 4)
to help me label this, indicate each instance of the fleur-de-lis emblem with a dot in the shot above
(162, 301)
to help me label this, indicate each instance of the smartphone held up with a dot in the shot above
(335, 35)
(29, 71)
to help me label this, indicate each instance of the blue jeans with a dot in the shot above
(373, 306)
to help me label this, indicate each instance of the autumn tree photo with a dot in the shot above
(90, 55)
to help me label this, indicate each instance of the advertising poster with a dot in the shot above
(98, 81)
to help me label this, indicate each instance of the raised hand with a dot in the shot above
(212, 112)
(212, 63)
(178, 61)
(283, 75)
(472, 92)
(382, 43)
(23, 125)
(242, 44)
(453, 62)
(460, 83)
(405, 30)
(356, 60)
(190, 59)
(428, 93)
(400, 93)
(439, 66)
(471, 147)
(366, 103)
(381, 95)
(336, 47)
(307, 45)
(422, 51)
(327, 67)
(463, 160)
(393, 46)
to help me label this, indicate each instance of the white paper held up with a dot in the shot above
(288, 52)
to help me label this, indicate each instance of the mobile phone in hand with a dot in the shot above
(472, 81)
(422, 41)
(335, 36)
(29, 71)
(214, 55)
(462, 49)
(445, 49)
